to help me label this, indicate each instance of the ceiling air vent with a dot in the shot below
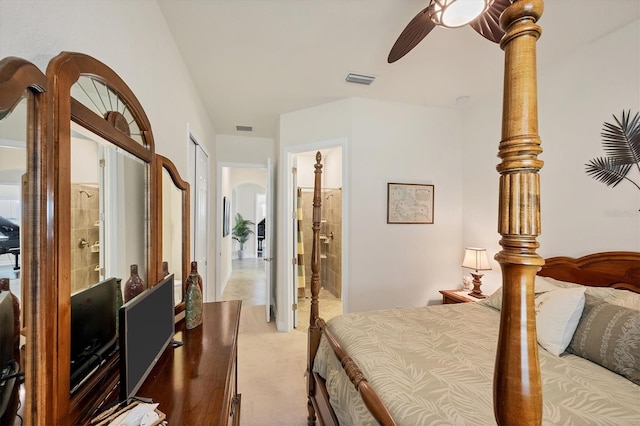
(244, 128)
(360, 78)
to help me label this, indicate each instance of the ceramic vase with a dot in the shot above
(194, 270)
(134, 285)
(165, 269)
(193, 302)
(4, 286)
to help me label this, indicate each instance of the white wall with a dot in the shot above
(244, 149)
(387, 142)
(84, 161)
(576, 96)
(407, 144)
(331, 168)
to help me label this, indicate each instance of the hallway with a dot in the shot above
(271, 365)
(247, 282)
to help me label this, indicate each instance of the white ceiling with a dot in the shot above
(252, 60)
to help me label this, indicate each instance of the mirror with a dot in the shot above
(102, 200)
(80, 178)
(108, 211)
(22, 206)
(13, 168)
(175, 218)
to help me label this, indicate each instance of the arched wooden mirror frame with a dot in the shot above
(162, 164)
(19, 79)
(63, 72)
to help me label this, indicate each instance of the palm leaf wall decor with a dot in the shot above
(621, 143)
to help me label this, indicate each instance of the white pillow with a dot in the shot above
(557, 316)
(540, 286)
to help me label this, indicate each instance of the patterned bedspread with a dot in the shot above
(434, 366)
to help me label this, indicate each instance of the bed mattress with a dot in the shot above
(434, 366)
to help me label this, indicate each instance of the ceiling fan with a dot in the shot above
(482, 15)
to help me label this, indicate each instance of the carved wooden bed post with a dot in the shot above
(517, 386)
(314, 331)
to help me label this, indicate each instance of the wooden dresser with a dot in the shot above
(196, 383)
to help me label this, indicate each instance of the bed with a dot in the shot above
(436, 364)
(516, 358)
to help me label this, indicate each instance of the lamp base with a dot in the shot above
(476, 292)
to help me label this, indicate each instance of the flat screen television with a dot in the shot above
(94, 334)
(146, 328)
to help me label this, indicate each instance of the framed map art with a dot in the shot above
(409, 203)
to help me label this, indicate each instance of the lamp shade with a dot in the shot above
(456, 13)
(476, 258)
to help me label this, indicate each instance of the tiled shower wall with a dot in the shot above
(85, 259)
(331, 247)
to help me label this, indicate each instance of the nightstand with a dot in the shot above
(457, 296)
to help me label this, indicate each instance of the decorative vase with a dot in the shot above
(165, 269)
(193, 302)
(194, 270)
(4, 286)
(134, 285)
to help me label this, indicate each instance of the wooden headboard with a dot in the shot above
(618, 269)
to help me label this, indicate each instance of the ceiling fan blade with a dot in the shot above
(488, 24)
(414, 32)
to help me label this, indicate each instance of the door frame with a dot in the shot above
(285, 279)
(194, 141)
(218, 221)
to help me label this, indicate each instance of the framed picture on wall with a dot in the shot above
(226, 213)
(409, 203)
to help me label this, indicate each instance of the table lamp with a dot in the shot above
(476, 259)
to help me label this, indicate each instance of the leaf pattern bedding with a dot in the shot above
(434, 366)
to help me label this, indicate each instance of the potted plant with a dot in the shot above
(241, 232)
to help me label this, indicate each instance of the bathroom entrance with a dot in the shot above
(330, 233)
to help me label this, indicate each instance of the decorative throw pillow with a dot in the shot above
(609, 335)
(557, 315)
(625, 298)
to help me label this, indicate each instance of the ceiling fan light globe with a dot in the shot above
(456, 13)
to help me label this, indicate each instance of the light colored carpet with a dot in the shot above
(271, 368)
(271, 364)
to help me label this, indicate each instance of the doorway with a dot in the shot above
(331, 232)
(245, 274)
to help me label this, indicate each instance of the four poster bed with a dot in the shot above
(476, 363)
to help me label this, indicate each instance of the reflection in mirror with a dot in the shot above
(172, 231)
(13, 168)
(108, 211)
